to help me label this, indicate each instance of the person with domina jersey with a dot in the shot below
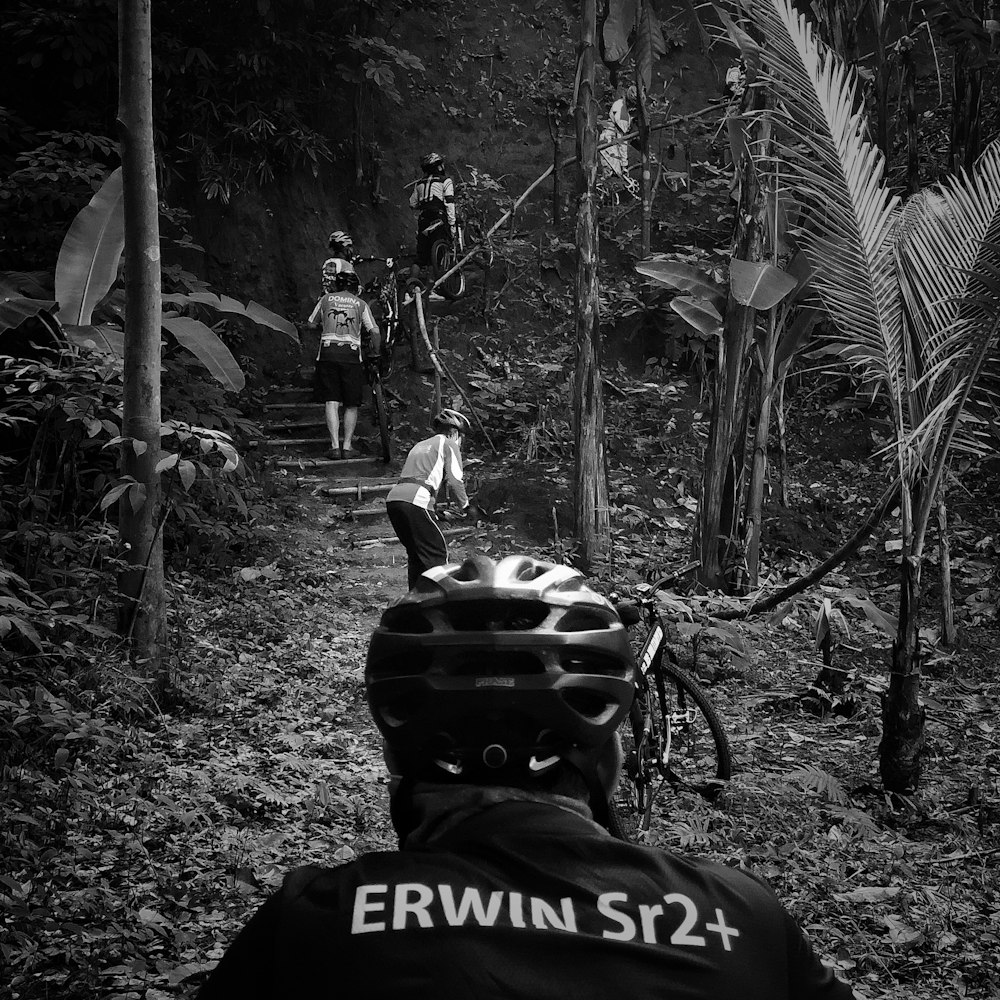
(498, 688)
(410, 503)
(339, 380)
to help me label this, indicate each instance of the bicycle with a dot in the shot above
(673, 735)
(373, 373)
(383, 291)
(445, 253)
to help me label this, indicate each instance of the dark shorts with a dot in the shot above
(438, 230)
(341, 381)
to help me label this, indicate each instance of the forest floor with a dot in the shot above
(265, 757)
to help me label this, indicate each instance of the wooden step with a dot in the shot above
(357, 491)
(298, 407)
(277, 443)
(306, 462)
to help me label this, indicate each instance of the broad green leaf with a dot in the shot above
(136, 496)
(750, 51)
(186, 470)
(14, 311)
(102, 337)
(204, 344)
(685, 277)
(90, 253)
(649, 43)
(167, 463)
(265, 317)
(617, 27)
(113, 494)
(702, 315)
(224, 303)
(759, 284)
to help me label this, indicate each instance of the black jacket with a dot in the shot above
(523, 900)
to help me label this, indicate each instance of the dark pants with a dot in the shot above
(421, 537)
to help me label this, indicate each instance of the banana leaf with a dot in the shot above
(13, 312)
(225, 303)
(205, 345)
(684, 277)
(617, 27)
(99, 337)
(759, 284)
(90, 253)
(701, 314)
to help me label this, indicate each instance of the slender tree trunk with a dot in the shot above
(966, 111)
(879, 18)
(359, 144)
(722, 480)
(909, 72)
(782, 441)
(758, 468)
(593, 527)
(556, 157)
(902, 713)
(647, 188)
(143, 610)
(947, 599)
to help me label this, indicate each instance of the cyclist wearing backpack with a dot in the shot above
(410, 502)
(340, 376)
(498, 688)
(433, 199)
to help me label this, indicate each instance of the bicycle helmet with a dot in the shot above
(494, 672)
(333, 267)
(432, 163)
(347, 281)
(446, 419)
(341, 242)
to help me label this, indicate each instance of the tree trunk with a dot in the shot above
(782, 442)
(947, 599)
(143, 610)
(909, 72)
(758, 468)
(553, 121)
(879, 12)
(358, 144)
(966, 111)
(902, 713)
(647, 187)
(722, 479)
(593, 527)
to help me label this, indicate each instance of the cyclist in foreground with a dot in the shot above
(498, 689)
(410, 503)
(340, 379)
(433, 199)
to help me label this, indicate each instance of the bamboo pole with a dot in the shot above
(440, 367)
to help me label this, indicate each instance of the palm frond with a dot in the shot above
(837, 174)
(947, 256)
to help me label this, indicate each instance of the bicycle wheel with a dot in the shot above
(442, 260)
(382, 416)
(695, 753)
(629, 808)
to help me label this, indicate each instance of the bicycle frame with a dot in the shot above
(673, 714)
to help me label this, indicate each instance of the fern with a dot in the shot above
(815, 779)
